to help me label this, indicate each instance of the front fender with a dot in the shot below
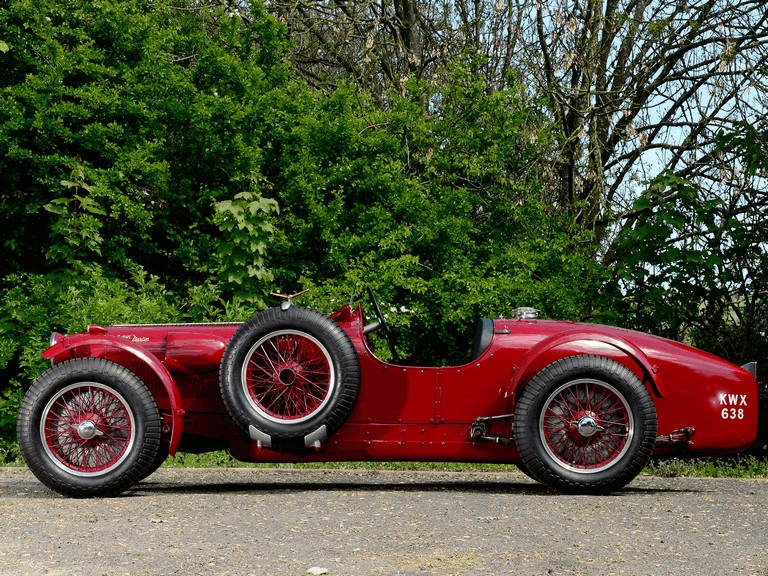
(69, 347)
(651, 371)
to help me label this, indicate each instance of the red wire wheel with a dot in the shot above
(89, 427)
(288, 374)
(585, 424)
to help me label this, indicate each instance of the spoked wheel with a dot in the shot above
(89, 427)
(289, 374)
(585, 424)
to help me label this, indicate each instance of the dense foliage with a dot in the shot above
(438, 209)
(168, 161)
(131, 134)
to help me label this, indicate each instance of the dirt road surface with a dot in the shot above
(242, 522)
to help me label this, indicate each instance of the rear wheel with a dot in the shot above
(89, 427)
(585, 424)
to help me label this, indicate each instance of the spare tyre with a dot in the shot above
(290, 377)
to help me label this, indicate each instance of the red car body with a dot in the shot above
(703, 405)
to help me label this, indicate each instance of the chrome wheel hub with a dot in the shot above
(87, 430)
(587, 426)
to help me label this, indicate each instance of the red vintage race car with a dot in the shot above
(578, 407)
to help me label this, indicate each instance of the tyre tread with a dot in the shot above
(313, 322)
(148, 426)
(539, 386)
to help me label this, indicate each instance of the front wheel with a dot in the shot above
(89, 427)
(585, 424)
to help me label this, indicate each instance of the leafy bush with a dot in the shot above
(123, 125)
(435, 202)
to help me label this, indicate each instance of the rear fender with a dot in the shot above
(72, 347)
(650, 371)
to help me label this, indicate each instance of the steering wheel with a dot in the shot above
(380, 324)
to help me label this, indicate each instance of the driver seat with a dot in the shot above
(483, 337)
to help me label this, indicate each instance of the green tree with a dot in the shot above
(124, 124)
(694, 266)
(147, 148)
(435, 201)
(634, 87)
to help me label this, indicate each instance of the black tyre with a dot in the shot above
(290, 377)
(585, 424)
(524, 469)
(89, 427)
(162, 456)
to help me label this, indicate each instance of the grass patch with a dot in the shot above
(223, 459)
(733, 467)
(747, 466)
(9, 453)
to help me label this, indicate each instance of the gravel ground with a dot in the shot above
(351, 522)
